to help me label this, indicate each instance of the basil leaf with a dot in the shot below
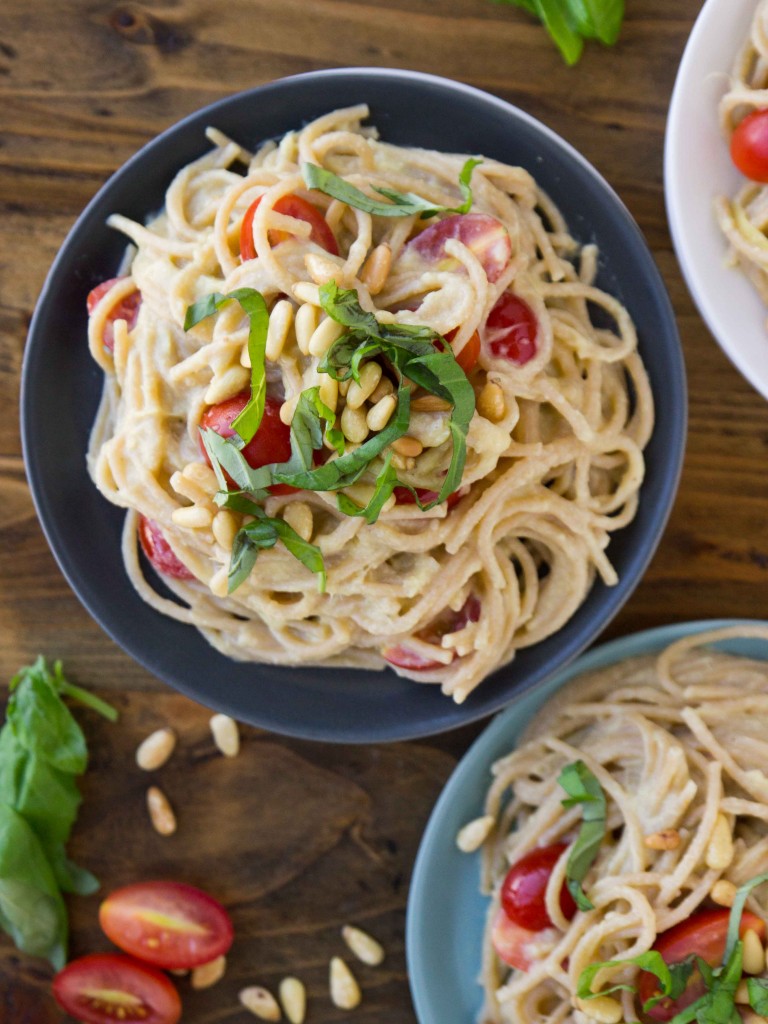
(401, 204)
(652, 961)
(247, 422)
(42, 723)
(556, 21)
(606, 17)
(569, 22)
(737, 909)
(386, 482)
(262, 533)
(719, 1004)
(758, 995)
(583, 789)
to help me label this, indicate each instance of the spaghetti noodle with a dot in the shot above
(677, 745)
(444, 587)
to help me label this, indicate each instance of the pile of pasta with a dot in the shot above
(677, 743)
(554, 449)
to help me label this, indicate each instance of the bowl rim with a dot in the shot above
(430, 939)
(443, 714)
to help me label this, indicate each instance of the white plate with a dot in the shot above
(697, 168)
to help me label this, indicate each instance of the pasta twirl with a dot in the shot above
(553, 452)
(677, 743)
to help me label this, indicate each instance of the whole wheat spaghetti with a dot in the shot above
(677, 743)
(444, 590)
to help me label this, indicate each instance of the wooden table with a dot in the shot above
(300, 838)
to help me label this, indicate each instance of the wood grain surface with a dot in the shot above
(300, 838)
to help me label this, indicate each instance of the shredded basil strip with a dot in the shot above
(401, 204)
(246, 423)
(583, 788)
(737, 909)
(672, 977)
(757, 989)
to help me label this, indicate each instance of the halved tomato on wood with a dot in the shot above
(108, 987)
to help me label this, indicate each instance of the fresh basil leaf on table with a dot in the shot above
(569, 22)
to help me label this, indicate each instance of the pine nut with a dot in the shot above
(298, 514)
(288, 408)
(260, 1002)
(491, 404)
(219, 582)
(321, 269)
(305, 325)
(345, 991)
(379, 415)
(354, 425)
(723, 893)
(154, 751)
(370, 375)
(224, 528)
(324, 335)
(742, 993)
(376, 268)
(410, 447)
(720, 849)
(344, 386)
(192, 517)
(201, 474)
(754, 954)
(363, 945)
(208, 974)
(400, 462)
(293, 996)
(160, 812)
(308, 293)
(383, 388)
(474, 833)
(604, 1009)
(225, 735)
(329, 391)
(430, 403)
(667, 839)
(229, 383)
(280, 320)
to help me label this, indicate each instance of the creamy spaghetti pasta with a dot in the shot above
(537, 428)
(744, 217)
(677, 744)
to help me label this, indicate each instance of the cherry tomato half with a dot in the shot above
(511, 330)
(703, 934)
(749, 145)
(106, 987)
(524, 889)
(467, 358)
(485, 236)
(448, 622)
(159, 551)
(126, 309)
(289, 206)
(168, 924)
(404, 497)
(271, 442)
(513, 944)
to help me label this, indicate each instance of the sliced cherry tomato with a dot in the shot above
(469, 355)
(524, 889)
(703, 934)
(749, 145)
(289, 206)
(271, 442)
(404, 497)
(513, 944)
(511, 330)
(485, 236)
(168, 924)
(126, 309)
(159, 551)
(108, 987)
(448, 622)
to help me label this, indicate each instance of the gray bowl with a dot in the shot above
(61, 385)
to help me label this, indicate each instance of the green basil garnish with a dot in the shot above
(672, 978)
(569, 22)
(401, 204)
(246, 423)
(583, 789)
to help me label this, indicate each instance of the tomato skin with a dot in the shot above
(703, 934)
(523, 892)
(290, 206)
(404, 497)
(485, 236)
(749, 146)
(126, 309)
(511, 330)
(467, 358)
(448, 622)
(512, 943)
(271, 442)
(159, 551)
(93, 987)
(168, 924)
